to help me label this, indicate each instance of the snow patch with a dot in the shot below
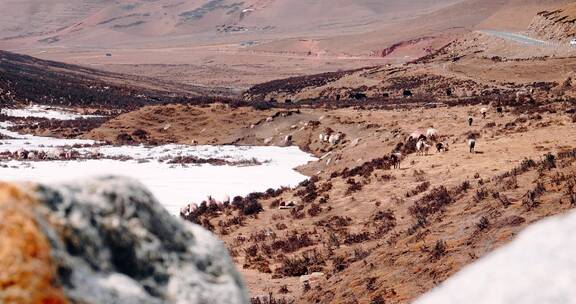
(40, 111)
(174, 185)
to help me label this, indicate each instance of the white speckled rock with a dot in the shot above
(113, 242)
(538, 267)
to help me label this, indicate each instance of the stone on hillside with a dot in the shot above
(537, 267)
(107, 240)
(268, 140)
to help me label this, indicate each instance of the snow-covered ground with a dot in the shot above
(40, 111)
(31, 142)
(538, 267)
(174, 185)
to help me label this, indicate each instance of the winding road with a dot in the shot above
(517, 38)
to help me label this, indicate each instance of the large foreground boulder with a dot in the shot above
(106, 240)
(538, 267)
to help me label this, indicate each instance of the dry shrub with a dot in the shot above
(333, 240)
(385, 178)
(327, 186)
(384, 221)
(208, 225)
(366, 169)
(463, 187)
(431, 203)
(251, 250)
(283, 289)
(512, 221)
(308, 262)
(420, 223)
(281, 226)
(510, 183)
(339, 263)
(292, 267)
(334, 222)
(296, 213)
(234, 221)
(420, 175)
(359, 254)
(569, 191)
(530, 200)
(314, 210)
(510, 125)
(526, 165)
(205, 210)
(257, 262)
(549, 162)
(355, 238)
(353, 186)
(439, 250)
(483, 224)
(480, 195)
(261, 236)
(503, 199)
(378, 300)
(270, 299)
(293, 242)
(371, 284)
(308, 191)
(251, 207)
(419, 189)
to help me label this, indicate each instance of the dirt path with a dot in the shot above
(516, 37)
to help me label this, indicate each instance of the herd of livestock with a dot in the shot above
(425, 141)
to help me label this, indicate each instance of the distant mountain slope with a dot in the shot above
(27, 79)
(34, 17)
(108, 21)
(238, 43)
(510, 15)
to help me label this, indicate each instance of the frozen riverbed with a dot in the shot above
(40, 111)
(175, 185)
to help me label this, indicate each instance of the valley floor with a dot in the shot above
(369, 231)
(362, 228)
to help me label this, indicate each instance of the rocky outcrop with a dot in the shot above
(558, 25)
(106, 240)
(538, 267)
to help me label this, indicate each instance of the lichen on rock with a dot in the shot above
(26, 268)
(110, 241)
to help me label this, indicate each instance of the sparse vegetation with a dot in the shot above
(439, 250)
(419, 189)
(358, 223)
